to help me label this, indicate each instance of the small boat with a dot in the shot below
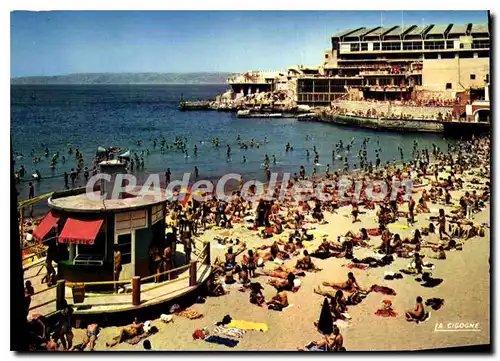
(101, 151)
(125, 155)
(243, 113)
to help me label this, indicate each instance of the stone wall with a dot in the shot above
(416, 112)
(386, 124)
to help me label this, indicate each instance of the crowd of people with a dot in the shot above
(284, 223)
(374, 114)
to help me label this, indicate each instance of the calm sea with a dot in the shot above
(88, 116)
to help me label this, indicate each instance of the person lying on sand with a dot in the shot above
(283, 272)
(441, 254)
(136, 329)
(90, 337)
(350, 285)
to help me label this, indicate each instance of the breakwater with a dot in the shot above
(457, 129)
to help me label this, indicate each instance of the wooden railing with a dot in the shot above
(202, 259)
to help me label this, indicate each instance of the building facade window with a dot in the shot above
(472, 76)
(354, 47)
(364, 46)
(448, 85)
(124, 245)
(376, 46)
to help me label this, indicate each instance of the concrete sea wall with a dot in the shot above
(386, 124)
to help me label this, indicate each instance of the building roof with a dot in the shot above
(480, 28)
(407, 30)
(359, 32)
(136, 199)
(458, 29)
(398, 31)
(417, 30)
(347, 32)
(378, 31)
(438, 29)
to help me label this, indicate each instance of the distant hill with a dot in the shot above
(125, 78)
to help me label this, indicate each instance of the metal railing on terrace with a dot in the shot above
(202, 260)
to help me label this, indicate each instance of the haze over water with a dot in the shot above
(89, 116)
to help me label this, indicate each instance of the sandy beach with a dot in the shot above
(465, 290)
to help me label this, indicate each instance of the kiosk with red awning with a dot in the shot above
(78, 231)
(45, 226)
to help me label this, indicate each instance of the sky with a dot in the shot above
(64, 42)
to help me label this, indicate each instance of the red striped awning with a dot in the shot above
(78, 231)
(45, 226)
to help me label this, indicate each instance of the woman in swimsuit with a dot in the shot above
(350, 284)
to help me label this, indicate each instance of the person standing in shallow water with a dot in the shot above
(31, 191)
(167, 176)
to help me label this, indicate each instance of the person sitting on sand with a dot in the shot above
(283, 285)
(418, 313)
(136, 329)
(256, 296)
(422, 206)
(328, 343)
(278, 228)
(350, 285)
(305, 262)
(337, 302)
(278, 302)
(417, 260)
(289, 246)
(214, 288)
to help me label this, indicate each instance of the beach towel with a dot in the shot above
(398, 225)
(383, 289)
(357, 266)
(386, 313)
(249, 325)
(222, 341)
(229, 332)
(373, 232)
(318, 233)
(192, 315)
(312, 347)
(307, 244)
(435, 303)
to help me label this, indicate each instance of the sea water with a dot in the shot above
(88, 116)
